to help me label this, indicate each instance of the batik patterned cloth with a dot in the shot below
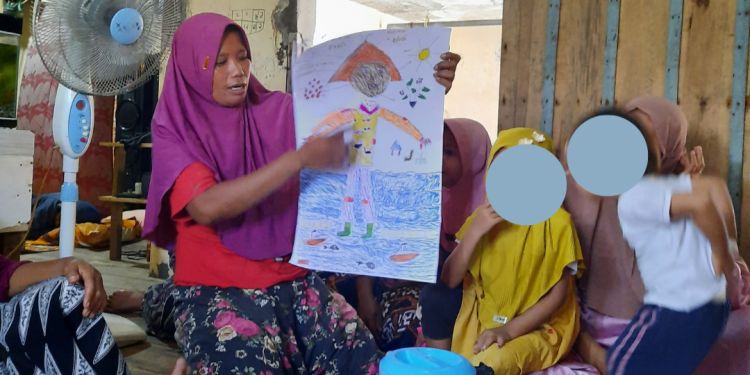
(43, 331)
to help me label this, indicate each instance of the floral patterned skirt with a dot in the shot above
(398, 301)
(295, 327)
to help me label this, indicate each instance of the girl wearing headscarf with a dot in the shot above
(679, 235)
(466, 147)
(519, 312)
(223, 195)
(611, 290)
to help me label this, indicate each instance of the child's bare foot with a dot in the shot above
(124, 301)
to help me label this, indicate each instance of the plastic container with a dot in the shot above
(418, 361)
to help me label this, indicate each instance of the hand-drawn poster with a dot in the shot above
(380, 215)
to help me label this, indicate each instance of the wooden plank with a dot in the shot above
(706, 78)
(580, 59)
(642, 49)
(521, 62)
(11, 244)
(122, 145)
(115, 232)
(550, 61)
(610, 54)
(15, 228)
(739, 92)
(514, 53)
(118, 166)
(743, 221)
(674, 37)
(533, 85)
(113, 199)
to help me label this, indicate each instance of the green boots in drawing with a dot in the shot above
(348, 231)
(369, 232)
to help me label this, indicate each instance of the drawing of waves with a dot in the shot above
(405, 244)
(372, 257)
(411, 199)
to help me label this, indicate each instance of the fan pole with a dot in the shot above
(68, 198)
(72, 129)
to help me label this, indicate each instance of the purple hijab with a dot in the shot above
(189, 126)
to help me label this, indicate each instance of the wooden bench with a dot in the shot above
(115, 233)
(10, 238)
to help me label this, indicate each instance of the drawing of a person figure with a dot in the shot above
(369, 70)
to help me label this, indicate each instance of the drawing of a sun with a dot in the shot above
(424, 54)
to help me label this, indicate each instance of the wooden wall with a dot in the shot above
(600, 52)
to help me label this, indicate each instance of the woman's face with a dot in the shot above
(232, 72)
(452, 168)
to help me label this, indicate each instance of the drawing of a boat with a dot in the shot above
(403, 256)
(314, 240)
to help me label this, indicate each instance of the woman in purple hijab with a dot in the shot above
(223, 196)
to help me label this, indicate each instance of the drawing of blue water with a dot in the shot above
(411, 199)
(407, 210)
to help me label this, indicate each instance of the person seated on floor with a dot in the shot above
(47, 214)
(509, 331)
(677, 227)
(611, 290)
(225, 157)
(466, 148)
(51, 322)
(158, 302)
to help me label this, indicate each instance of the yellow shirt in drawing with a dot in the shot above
(365, 124)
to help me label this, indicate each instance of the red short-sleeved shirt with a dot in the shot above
(201, 257)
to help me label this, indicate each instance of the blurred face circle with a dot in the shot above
(452, 168)
(232, 72)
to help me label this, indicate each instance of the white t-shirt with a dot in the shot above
(674, 256)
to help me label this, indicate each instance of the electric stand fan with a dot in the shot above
(96, 48)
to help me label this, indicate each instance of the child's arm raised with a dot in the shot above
(529, 320)
(457, 264)
(710, 211)
(723, 200)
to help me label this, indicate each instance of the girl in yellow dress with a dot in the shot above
(519, 312)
